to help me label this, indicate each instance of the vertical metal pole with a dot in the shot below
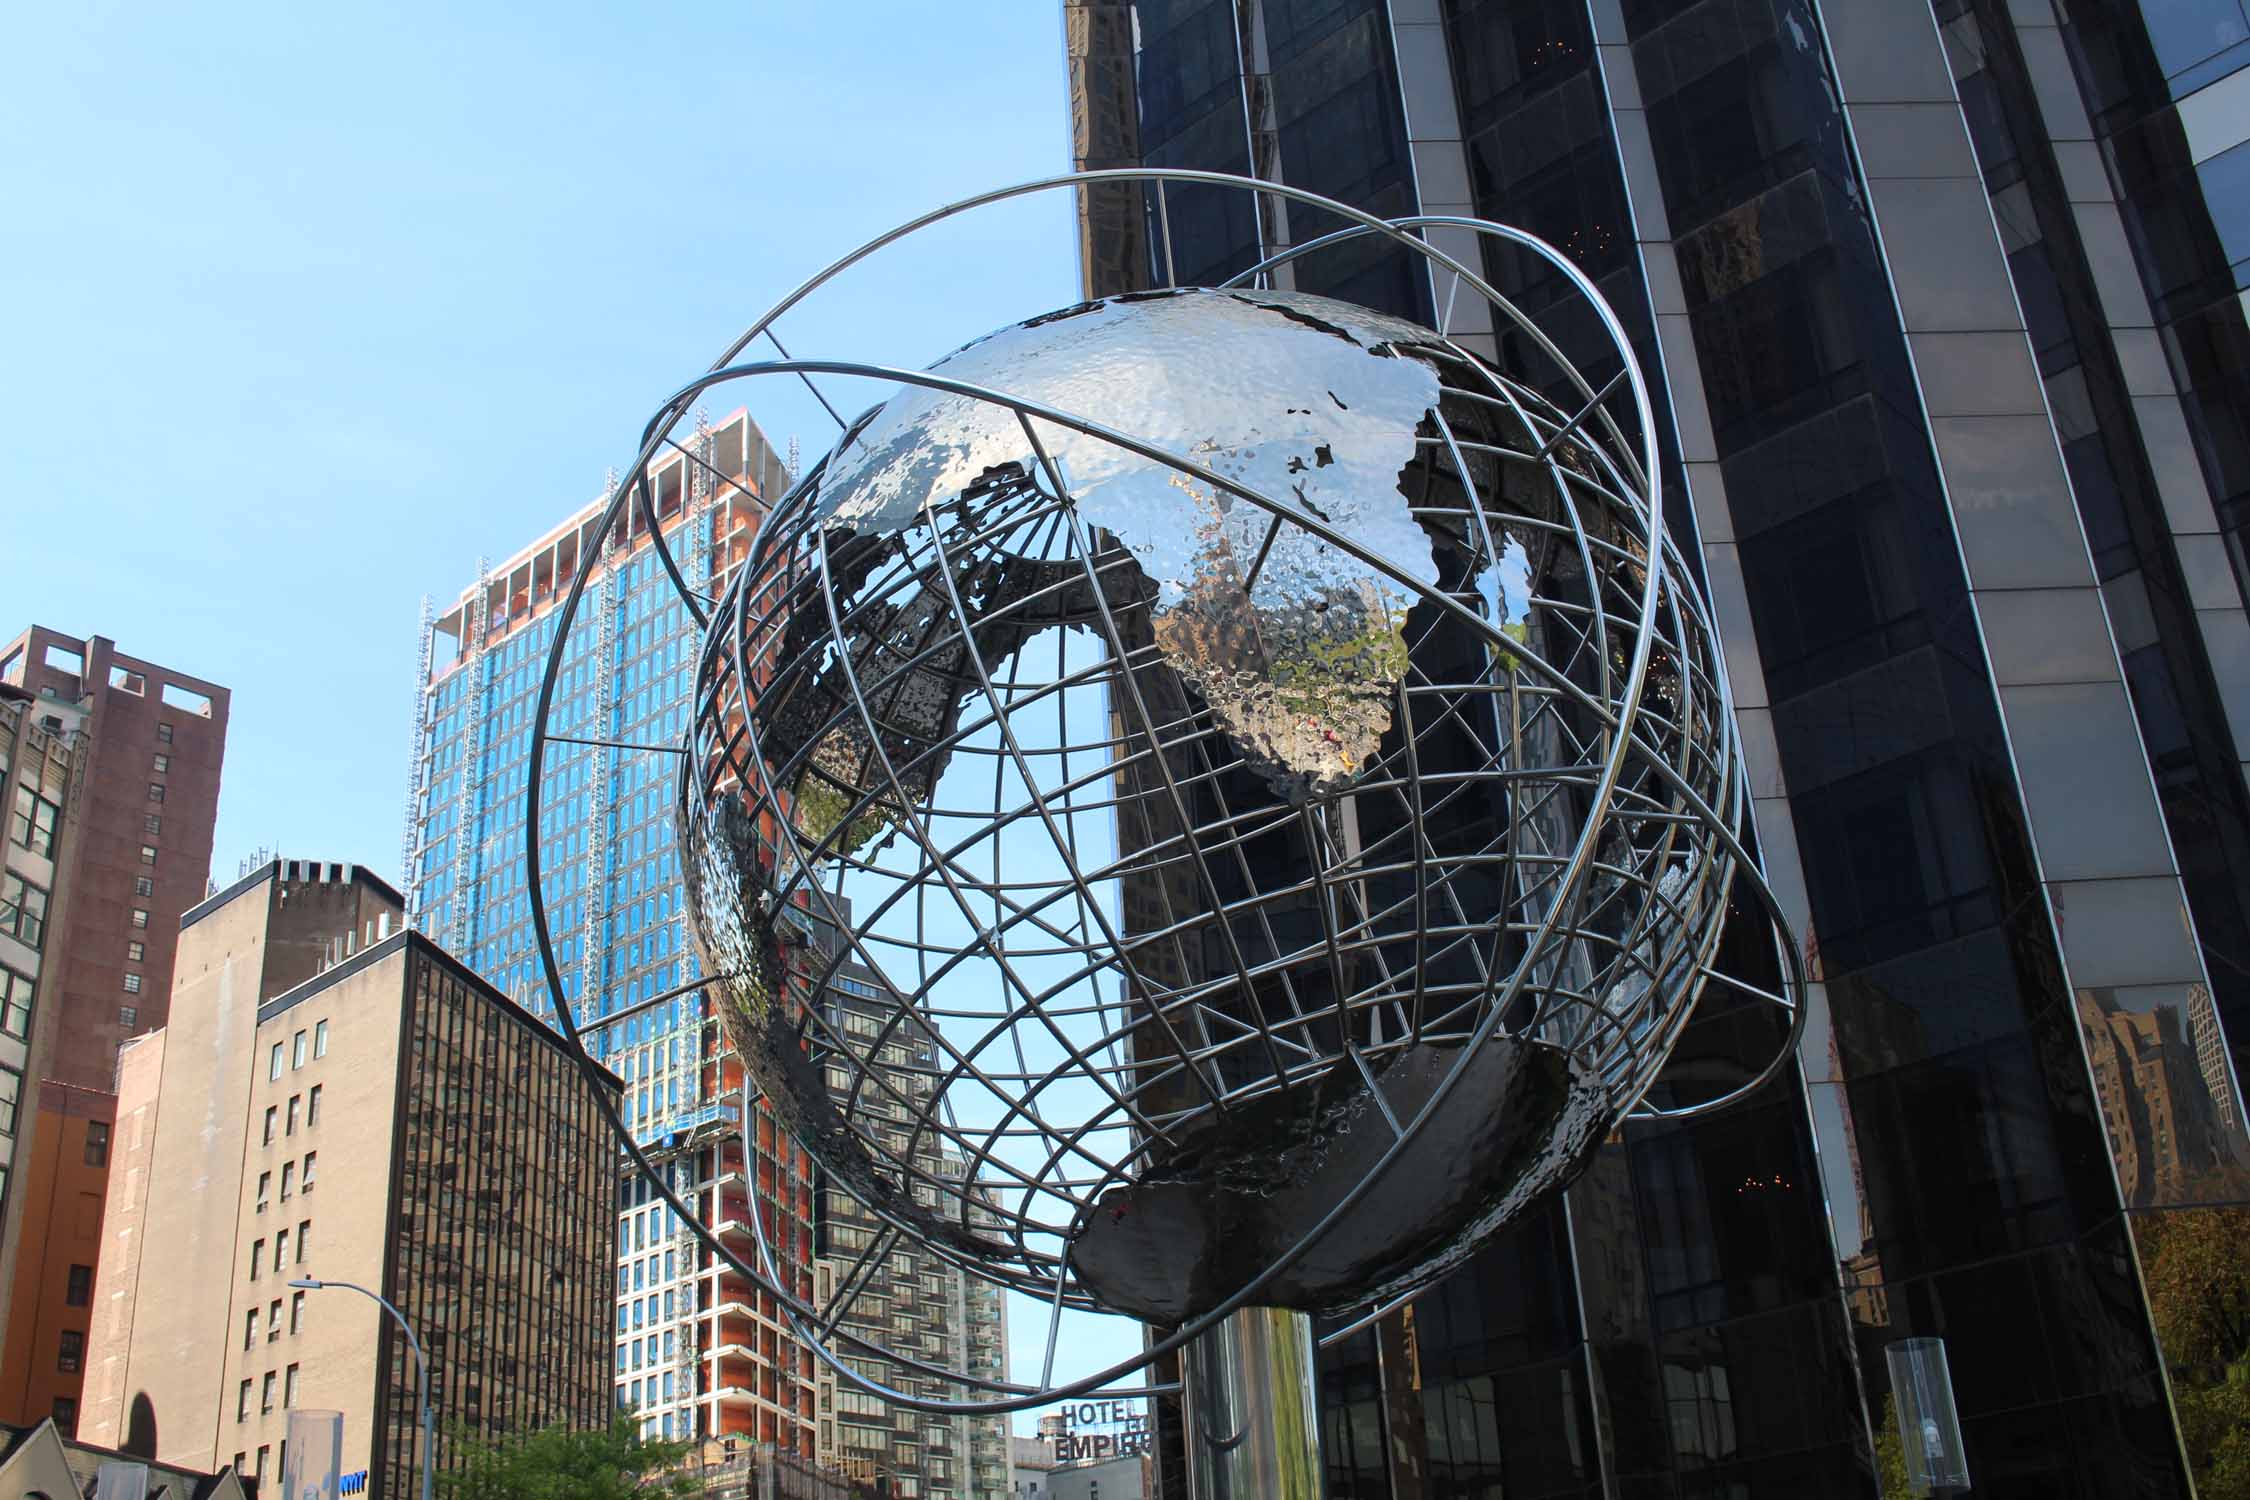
(1251, 1429)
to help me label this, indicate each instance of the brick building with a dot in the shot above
(109, 771)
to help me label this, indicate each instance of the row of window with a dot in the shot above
(273, 1320)
(287, 1380)
(297, 1050)
(291, 1181)
(310, 1111)
(281, 1248)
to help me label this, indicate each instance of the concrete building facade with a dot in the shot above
(337, 1099)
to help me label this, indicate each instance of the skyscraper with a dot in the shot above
(699, 1354)
(110, 807)
(1942, 301)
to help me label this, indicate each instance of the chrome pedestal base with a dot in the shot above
(1252, 1430)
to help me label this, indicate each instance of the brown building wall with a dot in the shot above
(125, 736)
(43, 1360)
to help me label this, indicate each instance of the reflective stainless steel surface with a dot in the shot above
(1252, 1432)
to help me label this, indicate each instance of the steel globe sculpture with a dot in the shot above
(1274, 752)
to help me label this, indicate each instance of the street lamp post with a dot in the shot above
(421, 1366)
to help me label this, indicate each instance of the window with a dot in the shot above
(140, 917)
(153, 825)
(156, 791)
(312, 1160)
(242, 1403)
(263, 1449)
(294, 1101)
(296, 1312)
(265, 1189)
(289, 1387)
(15, 1003)
(304, 1239)
(250, 1329)
(97, 1143)
(273, 1063)
(288, 1180)
(148, 854)
(11, 1088)
(273, 1113)
(144, 888)
(297, 1051)
(312, 1118)
(320, 1039)
(280, 1251)
(136, 951)
(66, 1415)
(163, 763)
(71, 1356)
(273, 1320)
(265, 1404)
(128, 1016)
(164, 734)
(23, 909)
(132, 984)
(79, 1292)
(33, 823)
(257, 1257)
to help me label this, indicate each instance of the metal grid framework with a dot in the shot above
(1076, 1044)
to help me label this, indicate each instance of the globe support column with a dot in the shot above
(1252, 1432)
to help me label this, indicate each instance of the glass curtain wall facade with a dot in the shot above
(699, 1354)
(1943, 297)
(502, 1167)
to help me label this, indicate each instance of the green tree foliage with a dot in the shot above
(2199, 1296)
(558, 1463)
(1890, 1456)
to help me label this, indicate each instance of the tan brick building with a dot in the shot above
(338, 1099)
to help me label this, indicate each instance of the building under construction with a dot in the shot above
(700, 1354)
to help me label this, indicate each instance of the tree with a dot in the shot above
(557, 1463)
(2199, 1298)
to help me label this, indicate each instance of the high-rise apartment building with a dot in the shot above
(337, 1099)
(1942, 303)
(109, 773)
(908, 1299)
(699, 1353)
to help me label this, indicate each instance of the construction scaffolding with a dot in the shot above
(476, 688)
(417, 773)
(608, 600)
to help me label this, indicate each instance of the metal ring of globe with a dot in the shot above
(1706, 791)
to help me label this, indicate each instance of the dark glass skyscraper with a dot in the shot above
(1946, 299)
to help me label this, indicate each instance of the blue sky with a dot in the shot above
(306, 307)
